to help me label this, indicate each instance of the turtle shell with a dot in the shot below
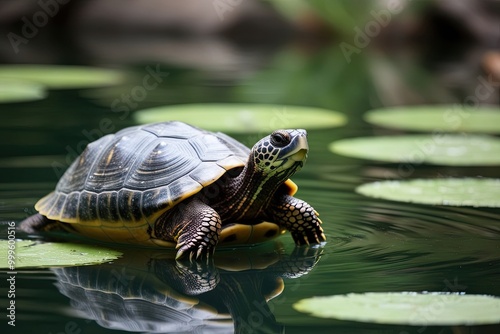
(122, 183)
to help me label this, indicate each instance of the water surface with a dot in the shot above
(373, 245)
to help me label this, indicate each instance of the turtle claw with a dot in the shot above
(300, 219)
(194, 252)
(199, 232)
(199, 253)
(310, 232)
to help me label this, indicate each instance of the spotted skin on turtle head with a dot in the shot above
(281, 150)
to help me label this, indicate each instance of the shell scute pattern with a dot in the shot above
(128, 205)
(209, 148)
(87, 206)
(140, 172)
(165, 163)
(172, 130)
(107, 205)
(204, 169)
(70, 206)
(155, 201)
(117, 161)
(58, 202)
(75, 177)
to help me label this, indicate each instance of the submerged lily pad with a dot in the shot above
(406, 308)
(15, 91)
(35, 254)
(451, 150)
(445, 118)
(62, 77)
(477, 192)
(244, 118)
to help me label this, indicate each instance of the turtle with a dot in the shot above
(176, 185)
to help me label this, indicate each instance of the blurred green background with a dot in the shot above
(348, 56)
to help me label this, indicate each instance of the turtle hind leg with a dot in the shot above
(38, 223)
(195, 227)
(299, 218)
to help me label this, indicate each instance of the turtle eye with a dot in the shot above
(280, 138)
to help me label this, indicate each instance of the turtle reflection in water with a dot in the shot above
(175, 185)
(147, 292)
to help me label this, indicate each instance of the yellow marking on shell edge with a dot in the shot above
(38, 204)
(155, 216)
(41, 205)
(137, 235)
(292, 187)
(163, 243)
(249, 234)
(98, 229)
(229, 262)
(280, 286)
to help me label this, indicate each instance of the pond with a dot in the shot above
(373, 245)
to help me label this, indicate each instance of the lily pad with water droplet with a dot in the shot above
(476, 192)
(444, 118)
(16, 91)
(244, 118)
(406, 308)
(35, 254)
(62, 77)
(437, 149)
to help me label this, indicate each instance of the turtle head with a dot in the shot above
(283, 152)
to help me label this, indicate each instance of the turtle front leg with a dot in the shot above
(299, 218)
(195, 227)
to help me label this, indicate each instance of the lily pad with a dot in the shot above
(35, 254)
(62, 77)
(15, 91)
(244, 118)
(406, 308)
(476, 192)
(444, 118)
(437, 149)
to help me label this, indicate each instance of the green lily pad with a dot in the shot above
(476, 192)
(35, 254)
(406, 308)
(438, 149)
(244, 118)
(444, 118)
(62, 77)
(15, 91)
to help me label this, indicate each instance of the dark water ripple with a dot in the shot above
(373, 245)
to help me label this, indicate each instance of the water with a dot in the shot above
(373, 245)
